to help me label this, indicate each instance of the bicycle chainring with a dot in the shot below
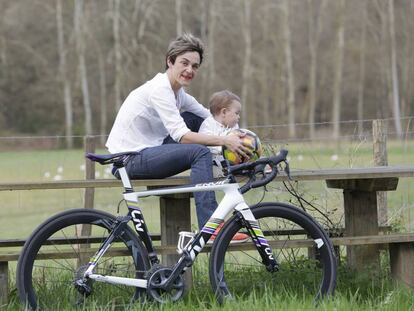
(157, 278)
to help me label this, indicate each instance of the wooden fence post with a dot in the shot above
(379, 137)
(89, 144)
(4, 284)
(85, 230)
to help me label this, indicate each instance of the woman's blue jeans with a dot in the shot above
(173, 158)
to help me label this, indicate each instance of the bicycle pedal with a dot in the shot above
(184, 240)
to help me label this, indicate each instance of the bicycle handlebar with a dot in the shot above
(253, 168)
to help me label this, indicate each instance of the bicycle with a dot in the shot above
(86, 244)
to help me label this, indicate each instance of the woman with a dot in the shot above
(149, 122)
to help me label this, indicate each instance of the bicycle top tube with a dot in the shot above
(250, 169)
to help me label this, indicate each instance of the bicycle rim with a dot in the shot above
(57, 253)
(307, 264)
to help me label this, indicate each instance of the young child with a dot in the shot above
(225, 109)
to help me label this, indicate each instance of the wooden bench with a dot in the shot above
(360, 186)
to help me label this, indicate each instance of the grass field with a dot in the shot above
(354, 292)
(22, 211)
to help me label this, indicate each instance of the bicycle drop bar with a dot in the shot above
(248, 168)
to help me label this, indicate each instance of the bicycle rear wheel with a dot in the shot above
(307, 263)
(58, 251)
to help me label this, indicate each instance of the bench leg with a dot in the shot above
(401, 261)
(361, 218)
(175, 213)
(4, 284)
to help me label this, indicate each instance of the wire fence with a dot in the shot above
(350, 130)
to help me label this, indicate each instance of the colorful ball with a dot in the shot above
(251, 141)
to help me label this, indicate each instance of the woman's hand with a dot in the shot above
(236, 144)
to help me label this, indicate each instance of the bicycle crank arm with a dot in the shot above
(119, 280)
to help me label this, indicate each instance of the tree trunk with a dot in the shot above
(179, 17)
(210, 44)
(315, 24)
(246, 62)
(264, 115)
(361, 85)
(80, 48)
(394, 74)
(204, 29)
(337, 88)
(103, 101)
(3, 57)
(118, 56)
(289, 69)
(63, 77)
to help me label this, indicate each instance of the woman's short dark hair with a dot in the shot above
(183, 44)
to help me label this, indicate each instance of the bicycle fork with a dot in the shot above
(247, 219)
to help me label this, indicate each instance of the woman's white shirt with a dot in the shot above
(149, 114)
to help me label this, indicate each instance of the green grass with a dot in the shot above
(22, 211)
(369, 291)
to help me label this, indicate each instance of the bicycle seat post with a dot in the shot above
(126, 182)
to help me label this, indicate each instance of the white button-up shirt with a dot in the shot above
(211, 126)
(149, 114)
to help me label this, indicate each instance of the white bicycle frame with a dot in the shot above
(232, 200)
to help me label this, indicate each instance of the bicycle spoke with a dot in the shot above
(56, 267)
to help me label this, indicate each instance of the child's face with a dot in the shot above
(231, 114)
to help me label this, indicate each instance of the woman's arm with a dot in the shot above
(232, 142)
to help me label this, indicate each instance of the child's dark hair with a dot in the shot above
(220, 100)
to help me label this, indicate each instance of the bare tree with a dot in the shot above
(102, 97)
(405, 60)
(247, 59)
(204, 28)
(80, 49)
(314, 31)
(361, 84)
(394, 74)
(290, 52)
(142, 14)
(210, 43)
(118, 55)
(264, 68)
(337, 88)
(289, 68)
(63, 77)
(179, 17)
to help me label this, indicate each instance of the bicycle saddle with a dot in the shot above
(109, 158)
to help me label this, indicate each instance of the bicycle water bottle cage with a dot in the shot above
(184, 240)
(117, 159)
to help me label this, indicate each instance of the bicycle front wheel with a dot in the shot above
(307, 263)
(57, 253)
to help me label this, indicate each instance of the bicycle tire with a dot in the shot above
(47, 283)
(239, 273)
